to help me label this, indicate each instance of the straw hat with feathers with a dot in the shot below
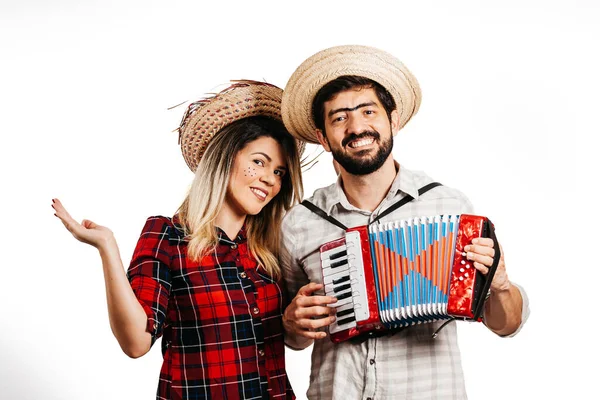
(329, 64)
(206, 117)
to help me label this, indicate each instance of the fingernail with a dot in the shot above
(475, 241)
(467, 248)
(469, 256)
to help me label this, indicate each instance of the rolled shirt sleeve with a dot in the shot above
(149, 273)
(524, 311)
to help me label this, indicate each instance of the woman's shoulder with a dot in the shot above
(158, 221)
(161, 225)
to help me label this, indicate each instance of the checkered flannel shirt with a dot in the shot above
(220, 318)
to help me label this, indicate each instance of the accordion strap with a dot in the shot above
(491, 272)
(406, 199)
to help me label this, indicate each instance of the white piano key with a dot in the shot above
(329, 278)
(357, 273)
(338, 303)
(326, 255)
(345, 308)
(331, 271)
(328, 263)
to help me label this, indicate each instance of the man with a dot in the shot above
(353, 100)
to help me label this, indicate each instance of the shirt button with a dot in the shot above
(261, 352)
(243, 275)
(234, 246)
(371, 361)
(255, 310)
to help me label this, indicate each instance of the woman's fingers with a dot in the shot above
(62, 214)
(87, 231)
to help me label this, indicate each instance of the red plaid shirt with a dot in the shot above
(220, 318)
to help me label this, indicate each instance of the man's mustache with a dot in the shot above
(374, 134)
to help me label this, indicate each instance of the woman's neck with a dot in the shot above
(230, 222)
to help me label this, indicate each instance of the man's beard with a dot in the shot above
(358, 165)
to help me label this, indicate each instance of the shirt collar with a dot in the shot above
(224, 239)
(177, 223)
(403, 182)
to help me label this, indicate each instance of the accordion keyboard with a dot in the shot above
(343, 277)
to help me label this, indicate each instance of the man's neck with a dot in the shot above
(368, 191)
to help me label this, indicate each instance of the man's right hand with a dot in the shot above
(306, 313)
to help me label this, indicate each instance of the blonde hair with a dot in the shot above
(209, 189)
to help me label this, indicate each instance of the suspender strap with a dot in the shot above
(323, 214)
(406, 199)
(397, 205)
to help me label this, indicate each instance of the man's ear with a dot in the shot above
(323, 140)
(395, 122)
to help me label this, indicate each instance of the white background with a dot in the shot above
(509, 114)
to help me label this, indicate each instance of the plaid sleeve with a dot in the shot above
(149, 273)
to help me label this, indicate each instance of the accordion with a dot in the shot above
(396, 274)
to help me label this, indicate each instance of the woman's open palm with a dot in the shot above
(87, 231)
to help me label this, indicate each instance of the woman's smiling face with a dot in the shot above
(256, 176)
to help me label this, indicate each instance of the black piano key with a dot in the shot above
(338, 255)
(338, 264)
(341, 288)
(345, 320)
(344, 296)
(341, 280)
(345, 312)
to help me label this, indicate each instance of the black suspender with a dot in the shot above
(323, 214)
(406, 199)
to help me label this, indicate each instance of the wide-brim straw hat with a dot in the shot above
(329, 64)
(206, 117)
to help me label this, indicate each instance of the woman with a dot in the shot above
(207, 279)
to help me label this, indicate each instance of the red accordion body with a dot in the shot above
(403, 273)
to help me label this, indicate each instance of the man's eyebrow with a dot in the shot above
(337, 110)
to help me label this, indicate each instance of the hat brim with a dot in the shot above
(327, 65)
